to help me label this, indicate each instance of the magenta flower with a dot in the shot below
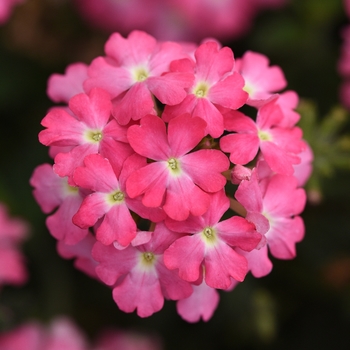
(107, 202)
(214, 84)
(279, 146)
(134, 69)
(177, 180)
(88, 131)
(210, 243)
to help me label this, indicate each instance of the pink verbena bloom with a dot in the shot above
(288, 102)
(6, 8)
(90, 131)
(106, 202)
(261, 80)
(12, 263)
(303, 170)
(51, 192)
(201, 304)
(210, 242)
(134, 70)
(62, 87)
(109, 202)
(138, 275)
(214, 84)
(279, 146)
(177, 180)
(280, 201)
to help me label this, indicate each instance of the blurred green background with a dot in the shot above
(302, 304)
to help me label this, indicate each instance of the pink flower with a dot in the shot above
(303, 170)
(62, 87)
(279, 146)
(261, 80)
(280, 201)
(135, 69)
(140, 279)
(51, 192)
(106, 202)
(88, 131)
(210, 243)
(214, 84)
(177, 180)
(200, 304)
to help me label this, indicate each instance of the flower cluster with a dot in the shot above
(153, 161)
(62, 333)
(12, 232)
(176, 19)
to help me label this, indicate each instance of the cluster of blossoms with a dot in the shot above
(344, 61)
(62, 333)
(12, 232)
(176, 19)
(6, 7)
(153, 162)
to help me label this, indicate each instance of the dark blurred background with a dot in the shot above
(302, 304)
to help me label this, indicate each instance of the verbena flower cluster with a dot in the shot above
(153, 160)
(176, 19)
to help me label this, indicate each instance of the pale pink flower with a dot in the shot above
(62, 87)
(177, 180)
(303, 170)
(280, 201)
(201, 304)
(261, 80)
